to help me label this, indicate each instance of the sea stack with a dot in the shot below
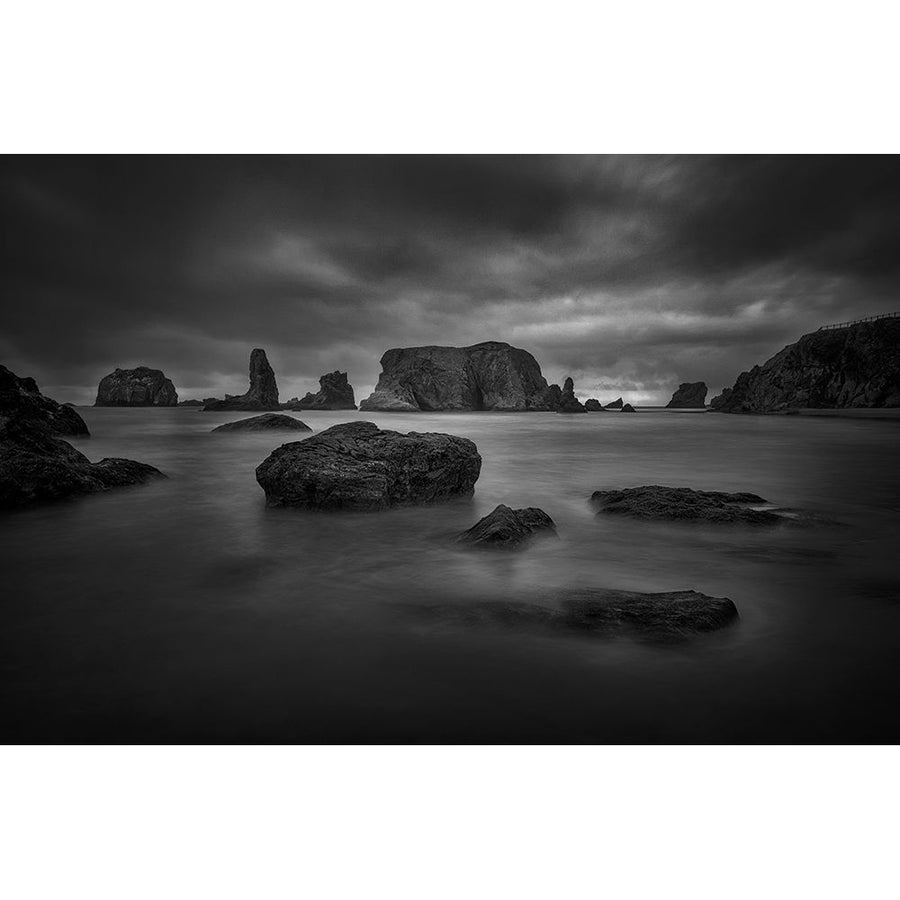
(488, 376)
(616, 404)
(335, 392)
(568, 402)
(141, 386)
(263, 393)
(853, 366)
(690, 395)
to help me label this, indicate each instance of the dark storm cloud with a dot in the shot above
(631, 273)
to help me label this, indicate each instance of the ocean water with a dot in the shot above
(187, 611)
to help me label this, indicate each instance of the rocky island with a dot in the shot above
(568, 403)
(852, 366)
(263, 393)
(690, 395)
(140, 386)
(335, 392)
(488, 376)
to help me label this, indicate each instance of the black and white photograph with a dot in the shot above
(449, 452)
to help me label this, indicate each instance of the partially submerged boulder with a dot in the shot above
(616, 404)
(508, 529)
(22, 401)
(357, 466)
(141, 386)
(684, 504)
(263, 393)
(690, 395)
(335, 392)
(568, 402)
(265, 422)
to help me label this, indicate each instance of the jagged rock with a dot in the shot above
(35, 465)
(670, 615)
(593, 405)
(22, 401)
(616, 404)
(690, 395)
(191, 402)
(508, 529)
(136, 387)
(335, 392)
(358, 466)
(628, 408)
(568, 402)
(487, 376)
(265, 422)
(263, 393)
(853, 367)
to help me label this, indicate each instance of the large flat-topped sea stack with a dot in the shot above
(856, 366)
(487, 376)
(263, 393)
(358, 466)
(141, 386)
(690, 395)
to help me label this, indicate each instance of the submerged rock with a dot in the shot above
(487, 376)
(690, 395)
(857, 366)
(358, 466)
(628, 408)
(593, 405)
(508, 529)
(672, 504)
(616, 404)
(141, 386)
(335, 392)
(265, 422)
(263, 393)
(670, 615)
(568, 402)
(22, 401)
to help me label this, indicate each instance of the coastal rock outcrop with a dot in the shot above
(35, 464)
(191, 402)
(22, 401)
(357, 466)
(508, 529)
(663, 503)
(628, 408)
(857, 366)
(263, 393)
(487, 376)
(140, 386)
(690, 395)
(568, 403)
(335, 392)
(616, 404)
(593, 405)
(265, 422)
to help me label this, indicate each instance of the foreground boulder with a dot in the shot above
(488, 376)
(22, 401)
(568, 402)
(265, 422)
(141, 386)
(856, 366)
(593, 405)
(360, 467)
(263, 393)
(671, 615)
(509, 529)
(673, 504)
(335, 392)
(690, 395)
(616, 404)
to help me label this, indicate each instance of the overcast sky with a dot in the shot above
(630, 274)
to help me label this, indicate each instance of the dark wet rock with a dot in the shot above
(684, 504)
(690, 395)
(487, 376)
(670, 615)
(265, 422)
(263, 393)
(335, 392)
(568, 402)
(593, 405)
(509, 529)
(616, 404)
(853, 367)
(191, 402)
(141, 386)
(358, 466)
(628, 408)
(22, 401)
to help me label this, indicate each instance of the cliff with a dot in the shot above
(487, 376)
(853, 367)
(263, 393)
(136, 387)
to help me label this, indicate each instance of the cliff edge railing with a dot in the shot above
(890, 315)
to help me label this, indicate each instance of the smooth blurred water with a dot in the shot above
(185, 610)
